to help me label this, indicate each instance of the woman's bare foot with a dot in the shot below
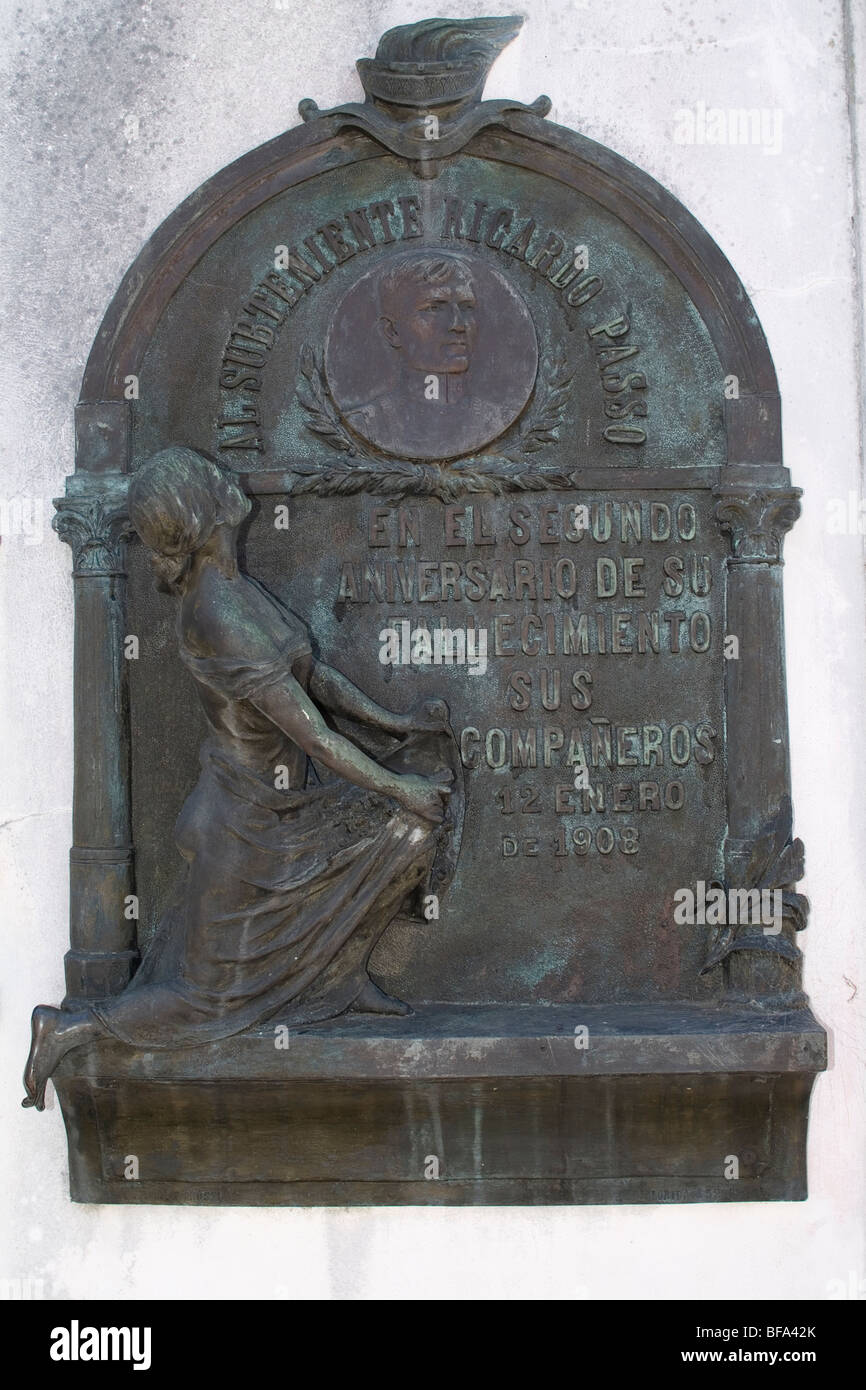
(53, 1034)
(373, 1000)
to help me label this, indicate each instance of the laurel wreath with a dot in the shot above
(485, 472)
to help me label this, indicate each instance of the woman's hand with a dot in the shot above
(428, 717)
(425, 796)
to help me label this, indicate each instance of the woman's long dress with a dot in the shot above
(286, 891)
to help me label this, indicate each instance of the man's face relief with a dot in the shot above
(433, 325)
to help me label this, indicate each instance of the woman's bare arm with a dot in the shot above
(336, 692)
(291, 709)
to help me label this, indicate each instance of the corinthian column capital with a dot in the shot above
(757, 521)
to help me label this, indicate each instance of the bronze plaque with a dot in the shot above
(450, 780)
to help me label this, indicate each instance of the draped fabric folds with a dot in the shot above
(285, 891)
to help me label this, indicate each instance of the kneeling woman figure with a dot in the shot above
(287, 888)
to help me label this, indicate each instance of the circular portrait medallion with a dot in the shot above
(432, 355)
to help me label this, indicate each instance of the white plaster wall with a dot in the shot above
(208, 82)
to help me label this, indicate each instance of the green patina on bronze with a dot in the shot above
(468, 368)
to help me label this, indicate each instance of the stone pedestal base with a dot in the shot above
(454, 1105)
